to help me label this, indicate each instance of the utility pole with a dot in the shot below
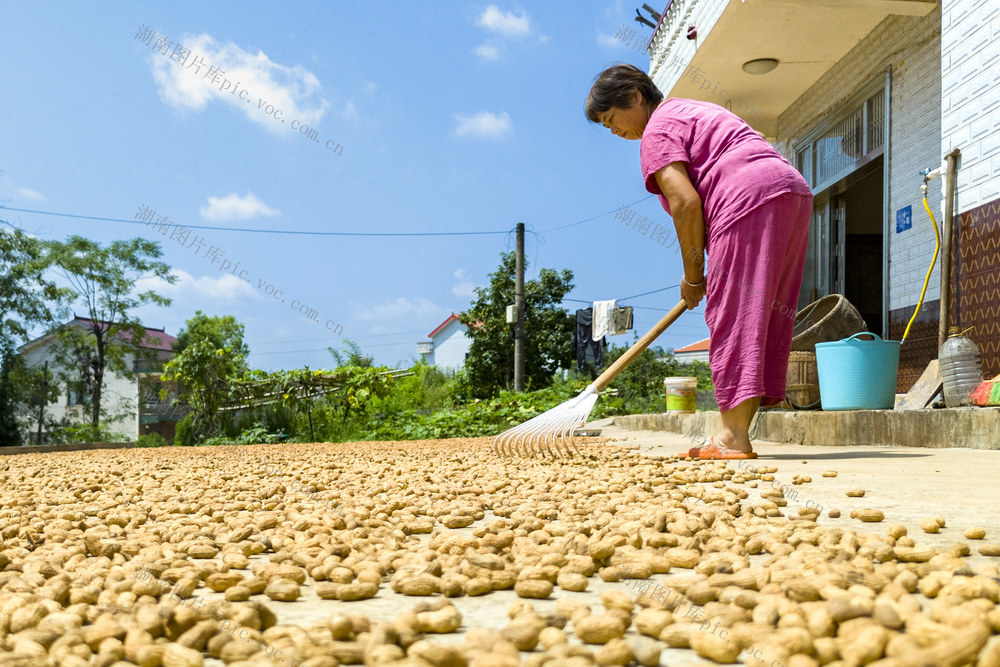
(41, 401)
(519, 307)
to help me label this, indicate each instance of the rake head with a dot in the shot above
(550, 433)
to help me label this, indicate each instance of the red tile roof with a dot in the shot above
(451, 317)
(155, 339)
(700, 346)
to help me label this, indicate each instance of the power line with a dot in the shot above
(263, 354)
(294, 232)
(256, 231)
(313, 340)
(311, 232)
(324, 349)
(662, 289)
(580, 222)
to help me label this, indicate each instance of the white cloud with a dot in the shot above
(233, 207)
(608, 41)
(483, 124)
(487, 52)
(251, 79)
(350, 111)
(28, 193)
(505, 23)
(399, 310)
(464, 287)
(224, 287)
(9, 190)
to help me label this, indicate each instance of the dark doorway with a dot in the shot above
(863, 239)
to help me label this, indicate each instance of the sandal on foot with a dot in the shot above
(714, 451)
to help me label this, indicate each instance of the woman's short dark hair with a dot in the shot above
(613, 88)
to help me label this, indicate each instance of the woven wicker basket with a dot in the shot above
(801, 382)
(829, 319)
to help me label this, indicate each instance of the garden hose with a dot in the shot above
(937, 247)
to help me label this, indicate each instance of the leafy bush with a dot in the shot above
(151, 440)
(252, 436)
(269, 423)
(183, 433)
(478, 418)
(426, 389)
(84, 433)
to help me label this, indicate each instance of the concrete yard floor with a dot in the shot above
(907, 484)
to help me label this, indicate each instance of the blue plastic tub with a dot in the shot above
(858, 374)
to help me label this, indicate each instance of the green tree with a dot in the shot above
(103, 280)
(22, 388)
(548, 330)
(211, 357)
(26, 296)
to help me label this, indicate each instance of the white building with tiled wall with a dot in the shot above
(864, 95)
(120, 394)
(970, 96)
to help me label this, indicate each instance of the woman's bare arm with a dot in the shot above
(685, 207)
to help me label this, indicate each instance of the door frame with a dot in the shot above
(830, 222)
(802, 148)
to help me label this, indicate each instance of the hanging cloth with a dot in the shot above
(603, 324)
(585, 342)
(621, 320)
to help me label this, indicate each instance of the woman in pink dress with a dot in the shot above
(733, 197)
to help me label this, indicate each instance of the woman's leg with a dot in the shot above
(735, 433)
(758, 265)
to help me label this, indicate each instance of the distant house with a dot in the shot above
(693, 352)
(120, 395)
(448, 345)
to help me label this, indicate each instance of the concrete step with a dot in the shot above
(975, 428)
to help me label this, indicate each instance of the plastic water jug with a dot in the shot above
(961, 368)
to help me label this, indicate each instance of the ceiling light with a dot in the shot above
(760, 66)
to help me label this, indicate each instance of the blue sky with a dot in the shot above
(423, 117)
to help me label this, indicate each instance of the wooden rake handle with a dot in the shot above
(630, 354)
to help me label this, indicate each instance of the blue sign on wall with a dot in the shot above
(904, 219)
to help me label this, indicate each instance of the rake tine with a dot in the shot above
(536, 440)
(560, 437)
(567, 438)
(557, 434)
(515, 436)
(559, 442)
(505, 443)
(512, 440)
(568, 442)
(545, 427)
(549, 437)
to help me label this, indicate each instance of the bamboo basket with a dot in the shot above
(801, 382)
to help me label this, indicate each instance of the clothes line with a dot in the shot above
(634, 296)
